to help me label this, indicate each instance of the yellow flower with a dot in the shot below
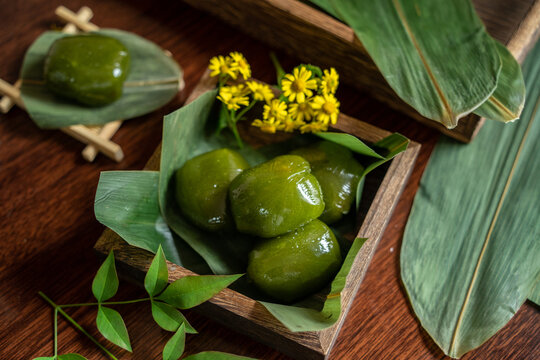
(330, 81)
(240, 64)
(301, 111)
(267, 126)
(327, 108)
(276, 110)
(261, 92)
(234, 96)
(298, 85)
(289, 125)
(220, 65)
(315, 126)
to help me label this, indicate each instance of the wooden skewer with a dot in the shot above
(105, 132)
(70, 17)
(84, 15)
(87, 136)
(6, 103)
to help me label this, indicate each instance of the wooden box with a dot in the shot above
(382, 190)
(291, 24)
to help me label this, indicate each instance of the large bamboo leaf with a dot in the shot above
(470, 253)
(506, 103)
(152, 81)
(435, 54)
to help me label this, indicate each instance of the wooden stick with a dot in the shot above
(84, 14)
(87, 136)
(107, 131)
(6, 103)
(12, 92)
(69, 16)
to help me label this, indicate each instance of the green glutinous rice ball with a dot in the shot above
(292, 266)
(338, 174)
(89, 69)
(275, 197)
(202, 187)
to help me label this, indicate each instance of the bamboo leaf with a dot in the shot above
(153, 80)
(169, 318)
(190, 291)
(436, 55)
(215, 355)
(105, 283)
(300, 317)
(175, 346)
(127, 202)
(470, 253)
(111, 325)
(506, 103)
(157, 277)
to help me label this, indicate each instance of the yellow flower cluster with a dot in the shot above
(308, 102)
(230, 66)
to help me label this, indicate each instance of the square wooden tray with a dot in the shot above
(383, 188)
(291, 24)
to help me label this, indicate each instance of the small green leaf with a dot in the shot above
(110, 324)
(44, 358)
(169, 318)
(175, 346)
(157, 276)
(71, 356)
(216, 355)
(191, 291)
(105, 282)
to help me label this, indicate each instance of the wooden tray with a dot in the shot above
(291, 24)
(383, 188)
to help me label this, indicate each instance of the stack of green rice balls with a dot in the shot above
(284, 203)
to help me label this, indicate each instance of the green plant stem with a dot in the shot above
(234, 129)
(244, 111)
(55, 332)
(280, 73)
(76, 325)
(105, 303)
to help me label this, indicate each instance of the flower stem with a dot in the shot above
(234, 129)
(245, 110)
(76, 325)
(105, 303)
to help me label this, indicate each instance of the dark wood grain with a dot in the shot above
(48, 228)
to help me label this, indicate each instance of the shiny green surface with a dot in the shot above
(202, 185)
(89, 69)
(275, 197)
(338, 174)
(294, 265)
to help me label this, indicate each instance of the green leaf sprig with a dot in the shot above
(165, 300)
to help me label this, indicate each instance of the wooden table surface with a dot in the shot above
(48, 228)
